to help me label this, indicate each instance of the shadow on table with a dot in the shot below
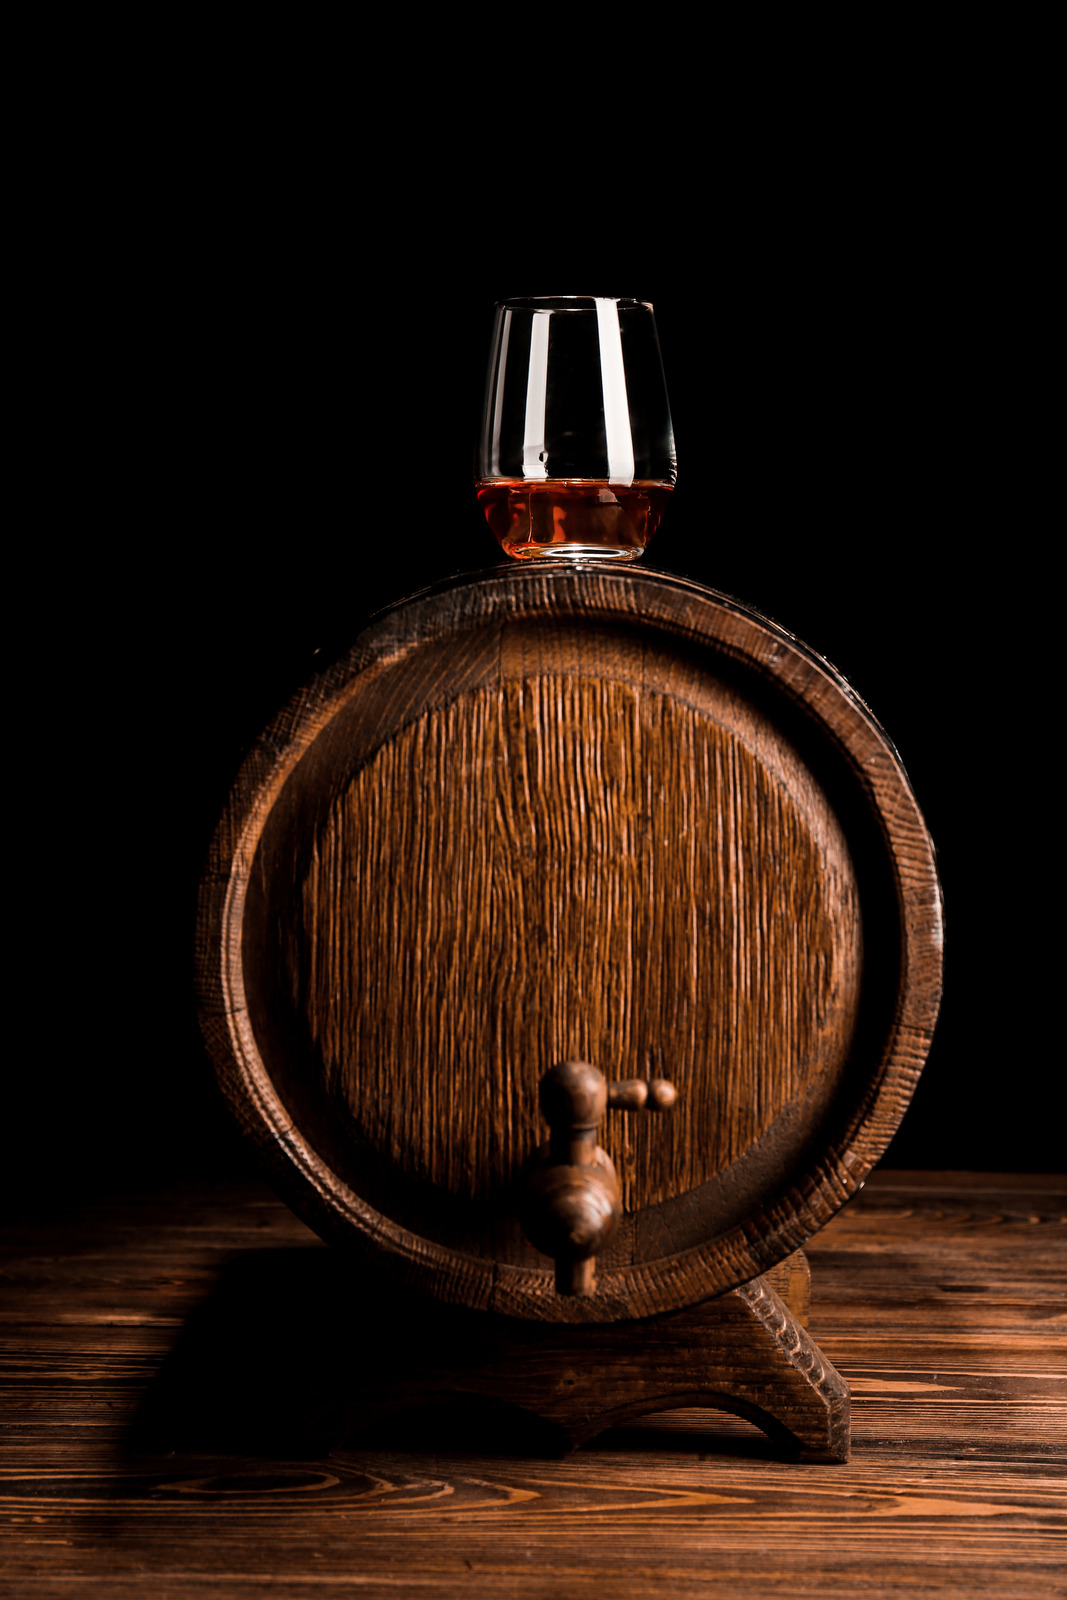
(295, 1353)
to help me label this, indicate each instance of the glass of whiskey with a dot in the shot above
(576, 453)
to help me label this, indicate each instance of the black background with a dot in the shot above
(272, 374)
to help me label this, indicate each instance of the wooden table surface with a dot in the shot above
(170, 1367)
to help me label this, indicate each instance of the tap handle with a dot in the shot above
(574, 1097)
(641, 1094)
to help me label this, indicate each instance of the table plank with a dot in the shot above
(941, 1298)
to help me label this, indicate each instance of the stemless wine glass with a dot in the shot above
(576, 456)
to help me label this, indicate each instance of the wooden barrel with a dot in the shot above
(562, 812)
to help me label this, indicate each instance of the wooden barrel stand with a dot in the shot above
(562, 814)
(745, 1351)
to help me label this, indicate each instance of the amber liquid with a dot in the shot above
(573, 516)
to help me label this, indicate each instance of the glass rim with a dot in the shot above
(570, 302)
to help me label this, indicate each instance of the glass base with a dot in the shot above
(573, 552)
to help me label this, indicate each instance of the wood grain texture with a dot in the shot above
(570, 812)
(574, 870)
(168, 1363)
